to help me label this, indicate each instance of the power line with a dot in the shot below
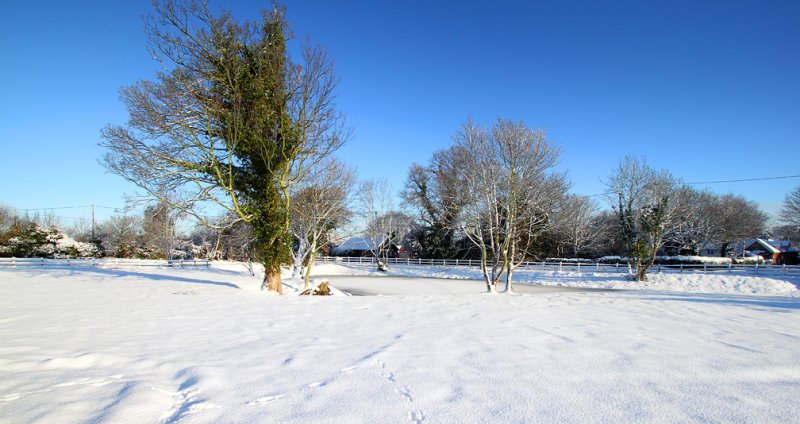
(68, 207)
(783, 177)
(745, 179)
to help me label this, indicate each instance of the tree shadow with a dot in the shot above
(760, 302)
(116, 272)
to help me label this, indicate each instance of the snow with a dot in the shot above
(87, 344)
(358, 244)
(689, 282)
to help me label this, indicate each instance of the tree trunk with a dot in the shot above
(272, 281)
(509, 275)
(723, 249)
(485, 270)
(642, 268)
(297, 266)
(308, 269)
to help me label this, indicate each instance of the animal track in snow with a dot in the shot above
(325, 382)
(266, 399)
(417, 417)
(14, 396)
(414, 416)
(186, 398)
(348, 370)
(96, 382)
(404, 391)
(317, 384)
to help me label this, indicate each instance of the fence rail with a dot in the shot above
(754, 269)
(14, 262)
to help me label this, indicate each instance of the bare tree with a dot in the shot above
(120, 235)
(790, 215)
(383, 226)
(575, 224)
(609, 234)
(510, 191)
(45, 219)
(7, 216)
(81, 230)
(646, 209)
(320, 205)
(735, 219)
(231, 123)
(159, 222)
(703, 218)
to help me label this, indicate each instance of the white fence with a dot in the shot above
(752, 269)
(746, 269)
(108, 262)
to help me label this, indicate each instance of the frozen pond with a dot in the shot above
(363, 285)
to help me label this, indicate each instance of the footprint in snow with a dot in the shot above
(416, 417)
(348, 370)
(314, 385)
(266, 399)
(405, 392)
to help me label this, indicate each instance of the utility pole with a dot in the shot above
(93, 239)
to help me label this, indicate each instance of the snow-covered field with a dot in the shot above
(156, 345)
(690, 282)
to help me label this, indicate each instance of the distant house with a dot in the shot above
(779, 252)
(363, 246)
(711, 249)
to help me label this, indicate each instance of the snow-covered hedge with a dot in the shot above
(670, 260)
(750, 260)
(612, 260)
(570, 260)
(35, 241)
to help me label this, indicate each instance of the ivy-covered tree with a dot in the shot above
(645, 209)
(231, 122)
(436, 195)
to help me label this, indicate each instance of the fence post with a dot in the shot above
(579, 267)
(784, 268)
(560, 266)
(756, 266)
(13, 261)
(705, 268)
(681, 266)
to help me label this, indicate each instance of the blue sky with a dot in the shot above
(708, 90)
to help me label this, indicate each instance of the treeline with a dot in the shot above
(494, 195)
(152, 234)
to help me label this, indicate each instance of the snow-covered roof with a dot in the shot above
(763, 243)
(358, 243)
(782, 245)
